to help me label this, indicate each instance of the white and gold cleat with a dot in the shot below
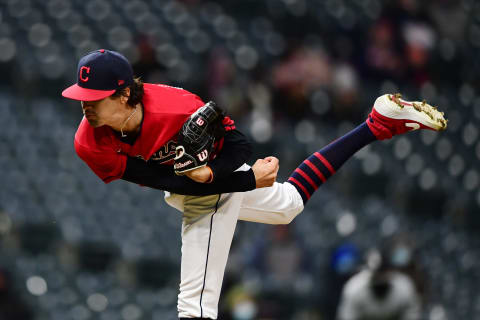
(391, 115)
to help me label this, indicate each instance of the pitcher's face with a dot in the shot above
(101, 112)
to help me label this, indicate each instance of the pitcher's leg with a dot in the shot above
(390, 116)
(278, 204)
(282, 202)
(205, 248)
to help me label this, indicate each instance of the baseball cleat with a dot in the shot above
(392, 115)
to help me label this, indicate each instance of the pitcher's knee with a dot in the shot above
(287, 216)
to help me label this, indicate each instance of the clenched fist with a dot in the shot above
(265, 171)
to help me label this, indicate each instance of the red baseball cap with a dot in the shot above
(99, 74)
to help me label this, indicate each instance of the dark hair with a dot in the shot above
(136, 92)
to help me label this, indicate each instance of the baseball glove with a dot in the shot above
(196, 138)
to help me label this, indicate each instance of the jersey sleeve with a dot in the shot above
(164, 178)
(107, 164)
(236, 150)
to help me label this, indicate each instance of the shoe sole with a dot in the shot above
(392, 106)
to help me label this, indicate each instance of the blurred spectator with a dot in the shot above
(383, 56)
(400, 44)
(387, 289)
(301, 72)
(420, 39)
(344, 262)
(147, 66)
(241, 304)
(281, 258)
(224, 84)
(282, 262)
(345, 91)
(450, 19)
(11, 306)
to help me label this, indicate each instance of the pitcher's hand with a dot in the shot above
(265, 171)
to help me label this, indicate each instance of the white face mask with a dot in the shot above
(401, 256)
(244, 310)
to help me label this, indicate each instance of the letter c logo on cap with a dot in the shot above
(81, 75)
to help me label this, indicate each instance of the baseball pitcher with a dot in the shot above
(169, 139)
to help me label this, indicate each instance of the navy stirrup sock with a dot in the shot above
(321, 165)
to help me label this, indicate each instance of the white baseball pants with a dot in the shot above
(207, 231)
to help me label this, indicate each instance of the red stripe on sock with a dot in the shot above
(325, 162)
(298, 184)
(315, 169)
(306, 177)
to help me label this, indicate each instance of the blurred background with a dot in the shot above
(294, 75)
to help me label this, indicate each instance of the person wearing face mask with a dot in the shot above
(386, 289)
